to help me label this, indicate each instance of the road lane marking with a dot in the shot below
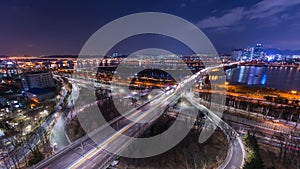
(91, 153)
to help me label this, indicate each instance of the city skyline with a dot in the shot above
(150, 84)
(45, 28)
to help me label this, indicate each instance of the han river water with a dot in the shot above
(261, 76)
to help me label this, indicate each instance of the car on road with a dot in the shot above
(114, 163)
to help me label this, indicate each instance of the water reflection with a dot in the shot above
(280, 78)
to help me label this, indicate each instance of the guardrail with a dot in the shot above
(76, 143)
(42, 164)
(227, 130)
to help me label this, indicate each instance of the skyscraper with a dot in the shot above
(257, 52)
(248, 53)
(236, 54)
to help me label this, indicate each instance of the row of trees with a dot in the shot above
(278, 111)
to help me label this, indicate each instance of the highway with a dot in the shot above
(88, 147)
(235, 158)
(266, 126)
(84, 153)
(99, 158)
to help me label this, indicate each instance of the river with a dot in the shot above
(261, 76)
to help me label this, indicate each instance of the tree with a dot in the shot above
(254, 160)
(37, 156)
(267, 110)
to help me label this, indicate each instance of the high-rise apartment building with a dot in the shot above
(248, 53)
(237, 54)
(40, 79)
(257, 51)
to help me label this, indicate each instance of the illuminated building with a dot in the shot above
(257, 52)
(39, 80)
(237, 54)
(8, 68)
(248, 53)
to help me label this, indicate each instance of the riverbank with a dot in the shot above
(252, 92)
(258, 92)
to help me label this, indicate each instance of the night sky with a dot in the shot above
(56, 27)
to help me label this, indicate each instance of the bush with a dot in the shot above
(37, 156)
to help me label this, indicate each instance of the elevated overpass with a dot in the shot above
(84, 153)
